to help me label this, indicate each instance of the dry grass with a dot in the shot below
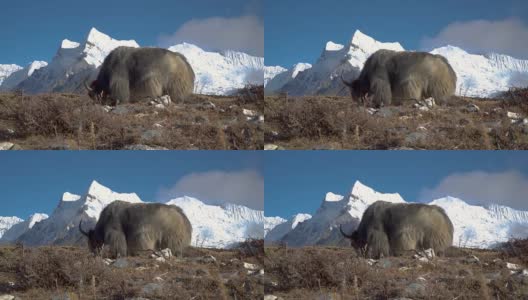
(338, 273)
(68, 121)
(44, 272)
(323, 122)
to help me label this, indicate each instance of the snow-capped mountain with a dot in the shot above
(282, 78)
(475, 226)
(76, 63)
(272, 222)
(213, 226)
(7, 222)
(478, 75)
(221, 73)
(18, 229)
(270, 72)
(22, 74)
(220, 226)
(7, 70)
(73, 64)
(279, 230)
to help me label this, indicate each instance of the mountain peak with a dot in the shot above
(67, 44)
(331, 46)
(331, 197)
(369, 44)
(69, 197)
(368, 195)
(98, 45)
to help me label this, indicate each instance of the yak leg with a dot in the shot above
(407, 89)
(141, 241)
(120, 89)
(381, 90)
(403, 241)
(117, 242)
(377, 243)
(149, 86)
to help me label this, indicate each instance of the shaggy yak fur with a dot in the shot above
(134, 74)
(394, 228)
(130, 228)
(391, 77)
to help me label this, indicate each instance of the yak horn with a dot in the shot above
(87, 87)
(349, 84)
(81, 230)
(347, 236)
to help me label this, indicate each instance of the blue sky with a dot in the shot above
(297, 31)
(33, 30)
(34, 181)
(297, 181)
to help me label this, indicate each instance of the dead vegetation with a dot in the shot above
(338, 273)
(74, 273)
(70, 121)
(324, 122)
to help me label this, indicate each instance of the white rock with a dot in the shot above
(270, 147)
(423, 108)
(167, 253)
(371, 261)
(512, 115)
(270, 297)
(371, 110)
(430, 102)
(429, 253)
(11, 297)
(160, 259)
(421, 279)
(511, 266)
(249, 113)
(6, 146)
(472, 108)
(472, 259)
(252, 267)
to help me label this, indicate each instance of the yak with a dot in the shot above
(391, 77)
(130, 228)
(393, 228)
(133, 74)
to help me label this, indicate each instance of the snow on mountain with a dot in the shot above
(478, 226)
(272, 222)
(20, 228)
(73, 64)
(98, 45)
(280, 79)
(7, 70)
(483, 75)
(7, 222)
(475, 226)
(213, 226)
(61, 226)
(272, 71)
(221, 73)
(220, 226)
(20, 75)
(278, 231)
(478, 75)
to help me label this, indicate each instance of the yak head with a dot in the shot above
(358, 90)
(95, 243)
(95, 91)
(355, 240)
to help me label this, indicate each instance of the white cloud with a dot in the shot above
(508, 36)
(508, 188)
(245, 33)
(217, 187)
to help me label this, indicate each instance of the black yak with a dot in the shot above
(393, 228)
(130, 228)
(134, 74)
(391, 77)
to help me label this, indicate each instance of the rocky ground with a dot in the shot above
(323, 122)
(71, 121)
(74, 273)
(338, 273)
